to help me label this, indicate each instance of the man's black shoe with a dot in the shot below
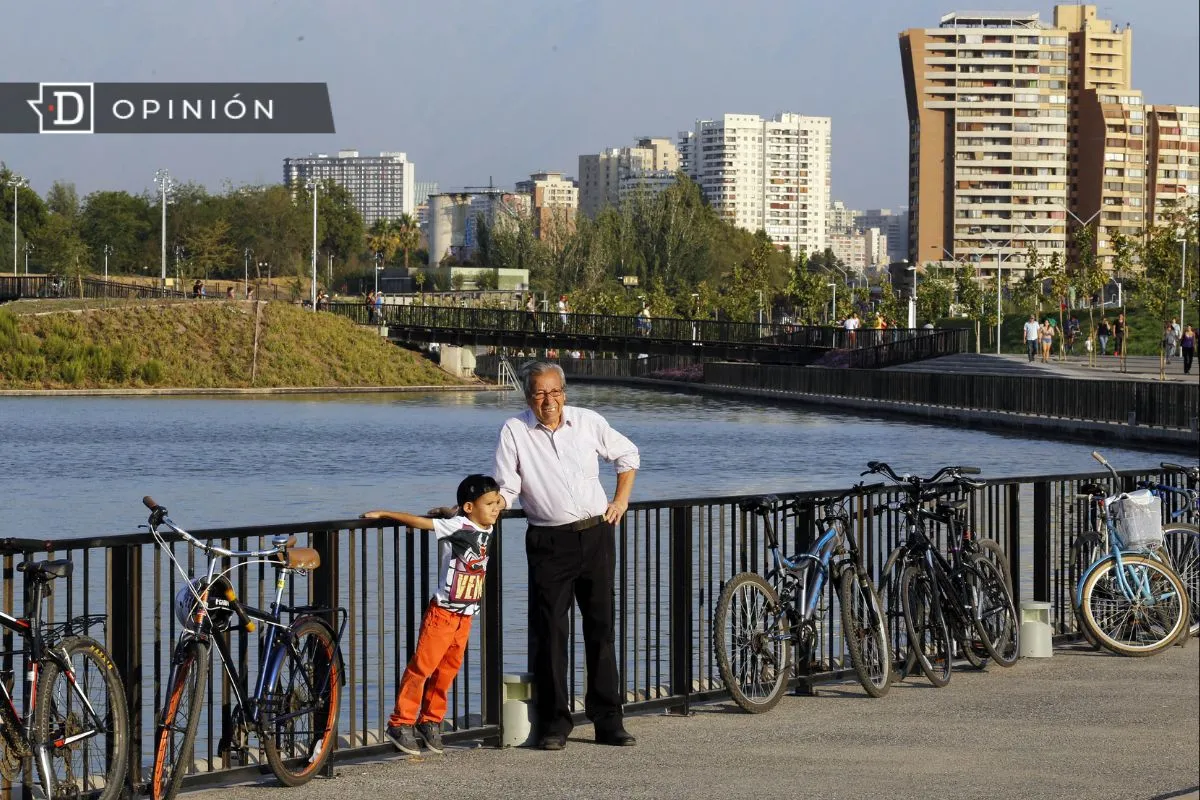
(555, 741)
(618, 738)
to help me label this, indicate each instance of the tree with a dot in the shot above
(889, 304)
(1089, 277)
(210, 250)
(340, 228)
(383, 238)
(970, 296)
(62, 248)
(806, 289)
(408, 235)
(62, 199)
(31, 218)
(121, 221)
(934, 295)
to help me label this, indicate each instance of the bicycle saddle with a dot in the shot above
(46, 571)
(758, 505)
(1092, 489)
(948, 506)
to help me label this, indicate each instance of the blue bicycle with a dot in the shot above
(760, 620)
(1181, 540)
(1128, 599)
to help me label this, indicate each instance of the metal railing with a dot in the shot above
(1158, 405)
(673, 558)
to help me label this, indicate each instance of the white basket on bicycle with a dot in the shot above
(1138, 519)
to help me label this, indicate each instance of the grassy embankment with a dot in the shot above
(157, 344)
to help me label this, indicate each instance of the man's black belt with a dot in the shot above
(572, 527)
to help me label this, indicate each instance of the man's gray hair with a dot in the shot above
(529, 372)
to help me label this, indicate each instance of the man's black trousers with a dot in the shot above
(564, 567)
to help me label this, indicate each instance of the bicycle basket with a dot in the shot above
(1138, 519)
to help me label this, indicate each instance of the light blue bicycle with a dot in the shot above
(1128, 599)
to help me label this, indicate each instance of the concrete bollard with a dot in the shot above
(516, 711)
(1036, 641)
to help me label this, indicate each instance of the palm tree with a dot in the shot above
(408, 235)
(383, 238)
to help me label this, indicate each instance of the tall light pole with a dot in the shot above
(246, 268)
(163, 178)
(833, 309)
(912, 298)
(1182, 276)
(760, 308)
(17, 182)
(314, 187)
(107, 251)
(28, 247)
(378, 267)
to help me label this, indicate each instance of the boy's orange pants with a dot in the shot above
(427, 679)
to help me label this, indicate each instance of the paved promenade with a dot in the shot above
(1078, 725)
(1107, 368)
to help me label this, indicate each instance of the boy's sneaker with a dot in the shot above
(405, 740)
(431, 733)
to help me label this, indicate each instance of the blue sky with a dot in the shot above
(473, 89)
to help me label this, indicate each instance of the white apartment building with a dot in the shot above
(840, 219)
(601, 175)
(765, 174)
(892, 224)
(383, 186)
(860, 251)
(553, 202)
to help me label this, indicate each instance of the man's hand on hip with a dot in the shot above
(616, 509)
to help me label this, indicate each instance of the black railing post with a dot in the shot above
(325, 595)
(125, 643)
(1012, 545)
(1041, 541)
(682, 643)
(492, 634)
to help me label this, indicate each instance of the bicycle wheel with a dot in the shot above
(962, 628)
(299, 717)
(928, 636)
(1085, 550)
(893, 608)
(1135, 609)
(751, 640)
(1182, 543)
(864, 629)
(180, 717)
(995, 614)
(993, 552)
(88, 753)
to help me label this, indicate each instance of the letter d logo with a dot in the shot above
(64, 107)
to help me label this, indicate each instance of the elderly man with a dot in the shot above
(548, 457)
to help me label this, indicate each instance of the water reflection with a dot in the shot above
(81, 464)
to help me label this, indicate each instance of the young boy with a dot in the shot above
(463, 555)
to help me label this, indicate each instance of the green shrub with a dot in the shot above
(72, 372)
(151, 372)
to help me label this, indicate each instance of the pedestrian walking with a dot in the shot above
(1102, 333)
(1187, 346)
(1032, 335)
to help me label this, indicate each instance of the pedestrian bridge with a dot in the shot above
(766, 343)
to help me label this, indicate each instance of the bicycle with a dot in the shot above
(967, 595)
(1128, 599)
(76, 734)
(760, 619)
(294, 705)
(1181, 540)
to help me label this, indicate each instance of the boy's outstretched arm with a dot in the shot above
(411, 520)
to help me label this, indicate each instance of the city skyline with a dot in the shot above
(487, 90)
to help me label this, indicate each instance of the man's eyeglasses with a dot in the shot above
(553, 394)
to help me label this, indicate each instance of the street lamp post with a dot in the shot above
(1182, 276)
(246, 268)
(912, 298)
(28, 247)
(107, 251)
(163, 178)
(313, 187)
(833, 304)
(378, 269)
(760, 308)
(17, 183)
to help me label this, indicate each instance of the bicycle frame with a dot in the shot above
(1098, 510)
(818, 557)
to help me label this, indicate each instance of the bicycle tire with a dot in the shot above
(865, 631)
(310, 658)
(1148, 631)
(995, 614)
(970, 643)
(747, 619)
(893, 608)
(991, 549)
(175, 738)
(1084, 551)
(97, 762)
(928, 636)
(1181, 542)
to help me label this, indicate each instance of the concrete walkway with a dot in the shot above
(1137, 368)
(1078, 725)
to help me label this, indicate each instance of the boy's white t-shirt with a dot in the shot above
(462, 563)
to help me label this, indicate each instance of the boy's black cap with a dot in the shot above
(475, 486)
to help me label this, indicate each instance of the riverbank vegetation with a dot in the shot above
(200, 345)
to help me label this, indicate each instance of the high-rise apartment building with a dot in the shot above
(892, 225)
(840, 219)
(554, 201)
(382, 186)
(765, 174)
(987, 109)
(601, 175)
(1021, 132)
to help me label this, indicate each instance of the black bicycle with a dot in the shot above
(76, 732)
(964, 599)
(294, 705)
(760, 620)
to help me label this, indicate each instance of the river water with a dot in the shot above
(79, 466)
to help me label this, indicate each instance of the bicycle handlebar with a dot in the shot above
(158, 517)
(955, 472)
(1191, 472)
